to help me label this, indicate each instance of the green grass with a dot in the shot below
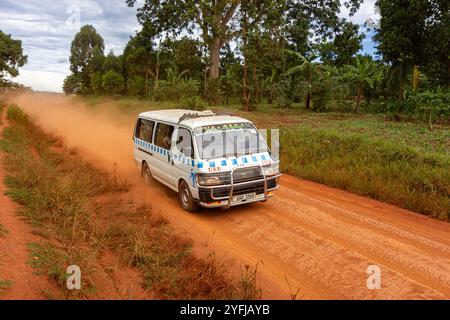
(382, 170)
(403, 163)
(81, 212)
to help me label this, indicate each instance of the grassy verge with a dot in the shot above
(382, 170)
(83, 213)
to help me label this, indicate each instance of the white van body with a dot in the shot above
(206, 158)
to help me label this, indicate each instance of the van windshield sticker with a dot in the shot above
(223, 127)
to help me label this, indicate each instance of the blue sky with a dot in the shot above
(47, 28)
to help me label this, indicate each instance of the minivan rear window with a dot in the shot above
(163, 135)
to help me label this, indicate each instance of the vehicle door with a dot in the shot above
(163, 160)
(183, 155)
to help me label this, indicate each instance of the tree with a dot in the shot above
(72, 84)
(309, 68)
(308, 19)
(112, 62)
(113, 82)
(228, 82)
(343, 48)
(365, 73)
(186, 54)
(216, 20)
(86, 42)
(141, 57)
(11, 56)
(415, 33)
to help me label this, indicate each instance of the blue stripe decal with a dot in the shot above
(193, 163)
(200, 165)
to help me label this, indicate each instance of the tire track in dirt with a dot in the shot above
(321, 239)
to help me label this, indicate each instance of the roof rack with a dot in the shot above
(186, 116)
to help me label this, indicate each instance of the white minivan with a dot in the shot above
(210, 160)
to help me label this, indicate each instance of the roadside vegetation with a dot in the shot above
(83, 214)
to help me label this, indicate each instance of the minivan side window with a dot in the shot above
(184, 142)
(144, 130)
(163, 135)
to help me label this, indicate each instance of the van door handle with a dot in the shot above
(145, 151)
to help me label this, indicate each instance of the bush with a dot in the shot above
(176, 91)
(113, 82)
(320, 96)
(194, 103)
(14, 113)
(136, 86)
(97, 83)
(213, 92)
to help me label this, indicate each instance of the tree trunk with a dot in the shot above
(415, 83)
(401, 92)
(245, 94)
(156, 82)
(215, 58)
(308, 101)
(358, 99)
(146, 83)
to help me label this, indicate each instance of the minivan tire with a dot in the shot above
(185, 196)
(146, 174)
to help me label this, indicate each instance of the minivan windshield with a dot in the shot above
(228, 140)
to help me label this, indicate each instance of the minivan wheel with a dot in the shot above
(186, 200)
(146, 174)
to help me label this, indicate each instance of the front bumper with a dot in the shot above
(228, 195)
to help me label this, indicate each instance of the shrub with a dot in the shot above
(194, 103)
(320, 96)
(136, 86)
(97, 83)
(113, 82)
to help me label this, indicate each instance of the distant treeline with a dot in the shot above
(267, 51)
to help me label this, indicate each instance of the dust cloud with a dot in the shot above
(101, 134)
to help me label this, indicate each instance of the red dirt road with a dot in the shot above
(309, 237)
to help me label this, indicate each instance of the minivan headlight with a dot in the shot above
(271, 170)
(207, 180)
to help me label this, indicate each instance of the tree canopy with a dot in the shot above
(11, 56)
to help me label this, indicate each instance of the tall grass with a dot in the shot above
(385, 171)
(83, 212)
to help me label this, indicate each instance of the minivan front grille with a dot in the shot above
(247, 174)
(219, 192)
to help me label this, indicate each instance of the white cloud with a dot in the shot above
(41, 80)
(366, 11)
(47, 30)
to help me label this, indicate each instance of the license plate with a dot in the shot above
(244, 197)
